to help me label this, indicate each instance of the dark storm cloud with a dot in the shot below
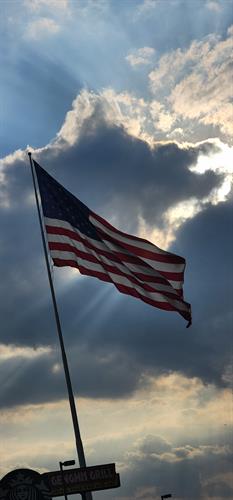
(114, 172)
(25, 303)
(110, 352)
(41, 380)
(122, 176)
(203, 350)
(30, 381)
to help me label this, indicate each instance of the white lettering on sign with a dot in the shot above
(75, 477)
(101, 474)
(83, 479)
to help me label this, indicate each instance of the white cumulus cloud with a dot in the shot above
(140, 56)
(199, 82)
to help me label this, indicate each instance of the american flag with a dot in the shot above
(78, 237)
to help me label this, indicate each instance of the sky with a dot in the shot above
(128, 104)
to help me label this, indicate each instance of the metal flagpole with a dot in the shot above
(79, 445)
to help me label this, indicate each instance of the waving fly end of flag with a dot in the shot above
(79, 238)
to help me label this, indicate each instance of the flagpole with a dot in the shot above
(79, 444)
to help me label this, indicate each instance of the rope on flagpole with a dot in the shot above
(79, 445)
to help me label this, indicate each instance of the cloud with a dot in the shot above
(150, 391)
(138, 188)
(37, 5)
(119, 109)
(140, 56)
(97, 118)
(198, 81)
(154, 119)
(43, 26)
(165, 423)
(145, 7)
(121, 359)
(158, 471)
(9, 351)
(214, 6)
(157, 205)
(163, 120)
(152, 445)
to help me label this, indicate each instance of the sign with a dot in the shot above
(24, 484)
(98, 477)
